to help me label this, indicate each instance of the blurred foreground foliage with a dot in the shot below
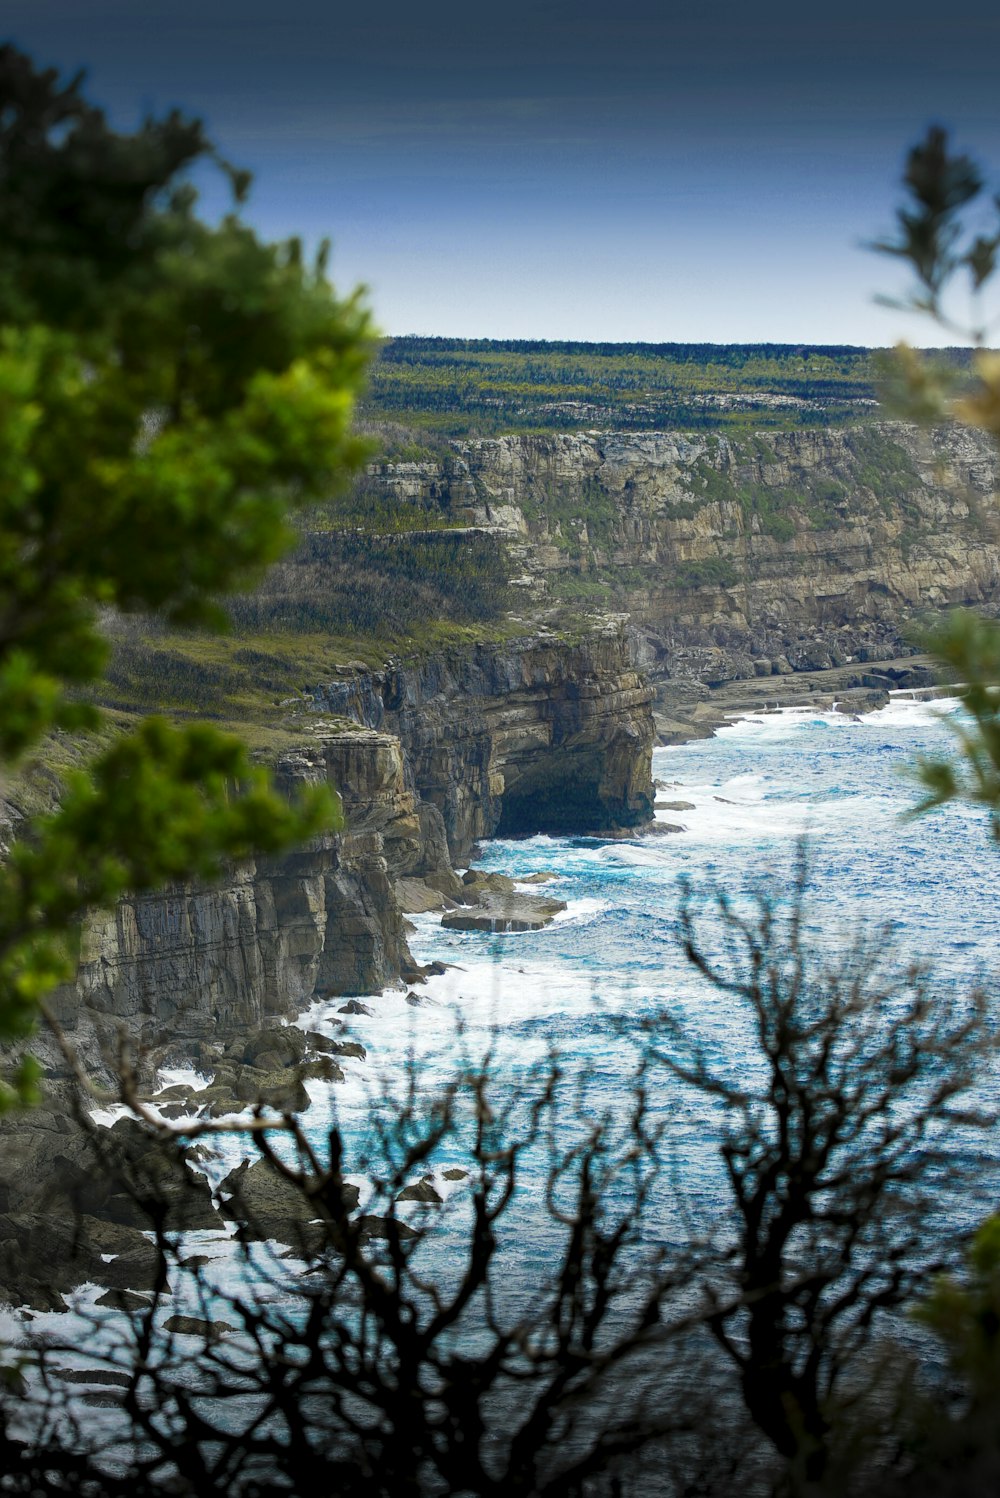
(948, 236)
(526, 1282)
(170, 392)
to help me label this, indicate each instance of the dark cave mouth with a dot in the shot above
(563, 800)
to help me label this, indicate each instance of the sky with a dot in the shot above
(620, 170)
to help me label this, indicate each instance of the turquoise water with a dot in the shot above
(755, 791)
(582, 986)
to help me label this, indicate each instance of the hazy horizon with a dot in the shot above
(669, 173)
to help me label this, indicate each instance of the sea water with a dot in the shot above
(759, 792)
(751, 801)
(580, 990)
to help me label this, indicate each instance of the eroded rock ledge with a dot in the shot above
(533, 735)
(539, 734)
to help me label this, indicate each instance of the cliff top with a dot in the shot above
(441, 387)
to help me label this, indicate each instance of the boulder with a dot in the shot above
(420, 1191)
(476, 882)
(287, 1043)
(194, 1326)
(123, 1300)
(387, 1229)
(445, 881)
(505, 912)
(327, 1046)
(324, 1069)
(282, 1089)
(267, 1206)
(416, 897)
(43, 1258)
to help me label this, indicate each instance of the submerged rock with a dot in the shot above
(194, 1326)
(389, 1229)
(124, 1300)
(420, 1191)
(505, 912)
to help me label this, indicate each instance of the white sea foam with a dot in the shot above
(760, 784)
(579, 911)
(902, 709)
(182, 1076)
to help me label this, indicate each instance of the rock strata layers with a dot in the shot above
(735, 556)
(531, 735)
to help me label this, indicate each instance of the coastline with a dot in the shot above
(683, 713)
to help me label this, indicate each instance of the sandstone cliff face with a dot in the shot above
(761, 546)
(729, 557)
(201, 962)
(537, 734)
(534, 735)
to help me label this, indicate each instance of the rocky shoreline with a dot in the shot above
(692, 710)
(551, 731)
(533, 734)
(87, 1192)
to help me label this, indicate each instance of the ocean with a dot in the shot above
(749, 801)
(584, 995)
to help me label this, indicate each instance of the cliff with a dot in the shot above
(643, 562)
(735, 556)
(198, 963)
(535, 734)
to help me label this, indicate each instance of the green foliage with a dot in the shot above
(384, 586)
(564, 509)
(712, 483)
(771, 507)
(709, 572)
(459, 386)
(947, 257)
(966, 1315)
(160, 804)
(813, 501)
(169, 391)
(968, 646)
(932, 239)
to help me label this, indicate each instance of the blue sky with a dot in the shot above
(671, 171)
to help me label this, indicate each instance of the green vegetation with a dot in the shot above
(341, 597)
(815, 499)
(943, 252)
(466, 386)
(749, 1353)
(169, 391)
(885, 468)
(709, 572)
(566, 509)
